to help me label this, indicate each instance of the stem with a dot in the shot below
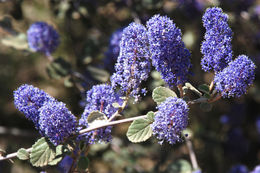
(9, 156)
(73, 165)
(192, 154)
(180, 90)
(215, 98)
(119, 110)
(199, 100)
(111, 124)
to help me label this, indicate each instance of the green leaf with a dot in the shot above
(16, 41)
(60, 152)
(68, 82)
(206, 107)
(180, 166)
(96, 117)
(83, 163)
(161, 93)
(192, 88)
(55, 161)
(98, 74)
(140, 130)
(150, 116)
(42, 153)
(204, 88)
(22, 154)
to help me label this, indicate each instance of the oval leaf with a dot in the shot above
(96, 117)
(59, 154)
(150, 116)
(204, 88)
(22, 154)
(161, 93)
(18, 41)
(55, 161)
(140, 130)
(42, 153)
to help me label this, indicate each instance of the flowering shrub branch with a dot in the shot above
(159, 44)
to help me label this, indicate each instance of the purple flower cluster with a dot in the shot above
(256, 170)
(133, 64)
(99, 98)
(113, 49)
(168, 52)
(216, 47)
(56, 122)
(238, 169)
(50, 117)
(29, 99)
(234, 80)
(170, 120)
(42, 38)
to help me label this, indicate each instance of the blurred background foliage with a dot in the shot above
(227, 135)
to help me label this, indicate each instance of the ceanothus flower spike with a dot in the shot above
(56, 122)
(133, 64)
(29, 99)
(234, 80)
(113, 49)
(99, 98)
(216, 47)
(170, 120)
(168, 53)
(42, 38)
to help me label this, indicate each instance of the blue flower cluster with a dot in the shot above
(234, 80)
(29, 99)
(113, 49)
(170, 120)
(42, 38)
(216, 47)
(50, 117)
(56, 121)
(168, 52)
(256, 170)
(133, 65)
(99, 98)
(239, 169)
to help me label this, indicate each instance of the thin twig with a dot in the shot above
(192, 154)
(180, 90)
(111, 124)
(9, 156)
(199, 100)
(215, 98)
(119, 110)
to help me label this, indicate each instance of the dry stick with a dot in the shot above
(192, 154)
(9, 156)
